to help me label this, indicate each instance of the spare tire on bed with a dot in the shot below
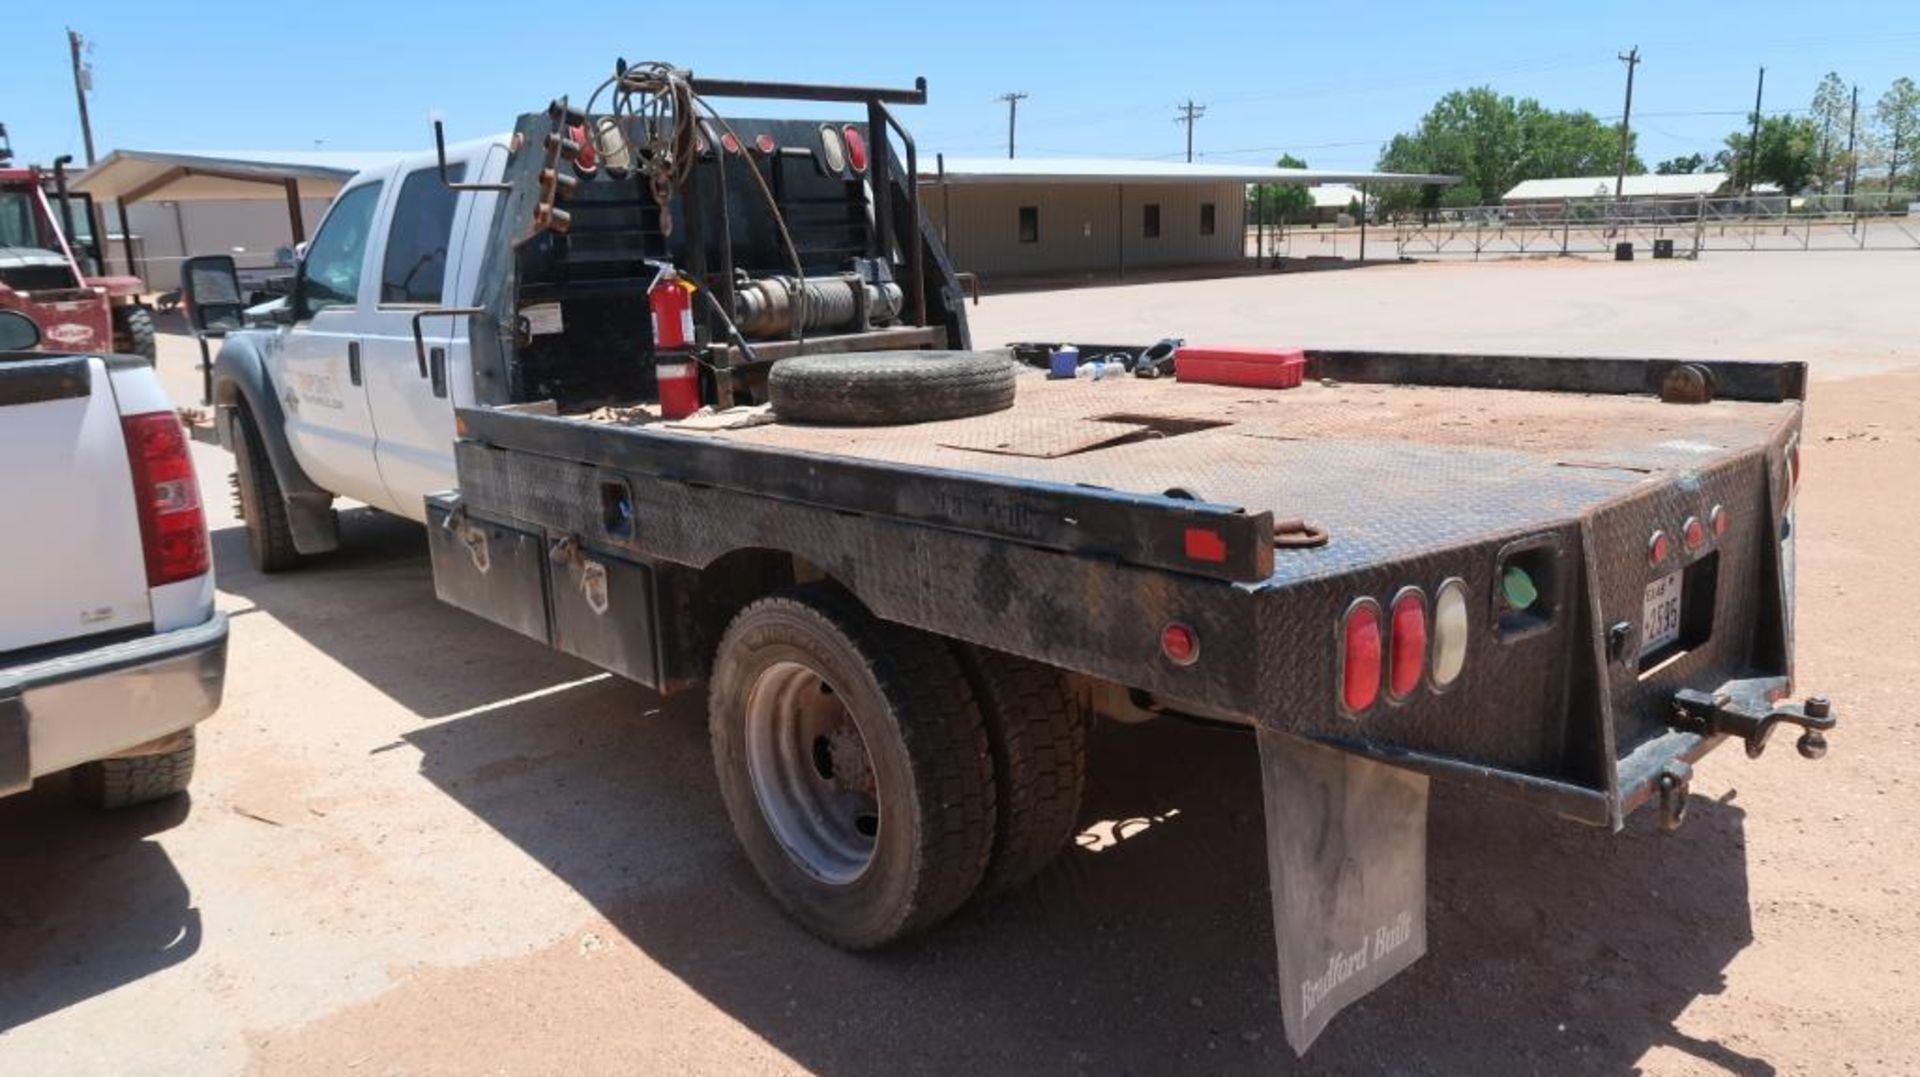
(885, 388)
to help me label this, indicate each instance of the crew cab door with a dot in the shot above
(320, 362)
(428, 256)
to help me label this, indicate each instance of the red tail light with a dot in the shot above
(856, 147)
(1407, 651)
(1360, 656)
(173, 529)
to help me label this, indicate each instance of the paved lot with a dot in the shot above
(420, 844)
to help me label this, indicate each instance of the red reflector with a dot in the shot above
(1693, 533)
(1179, 644)
(730, 142)
(1657, 548)
(173, 530)
(856, 147)
(1205, 545)
(764, 143)
(1407, 657)
(1718, 520)
(1360, 657)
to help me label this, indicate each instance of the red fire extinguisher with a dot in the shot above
(671, 301)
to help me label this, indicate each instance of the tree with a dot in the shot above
(1786, 154)
(1831, 112)
(1493, 142)
(1896, 120)
(1282, 202)
(1681, 166)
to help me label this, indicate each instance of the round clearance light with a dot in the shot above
(1717, 519)
(856, 147)
(833, 149)
(1360, 654)
(1407, 645)
(1449, 632)
(764, 143)
(1657, 547)
(731, 143)
(1180, 644)
(1693, 533)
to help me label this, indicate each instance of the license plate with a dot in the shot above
(1660, 614)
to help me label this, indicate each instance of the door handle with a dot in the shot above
(353, 361)
(437, 365)
(420, 342)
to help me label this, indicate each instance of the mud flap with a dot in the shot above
(1347, 854)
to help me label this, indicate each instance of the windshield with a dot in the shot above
(17, 225)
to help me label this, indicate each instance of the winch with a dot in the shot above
(770, 306)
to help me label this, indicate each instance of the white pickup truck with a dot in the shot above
(332, 401)
(110, 648)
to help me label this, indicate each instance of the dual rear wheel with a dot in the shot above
(878, 777)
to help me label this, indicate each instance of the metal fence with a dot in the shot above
(1581, 226)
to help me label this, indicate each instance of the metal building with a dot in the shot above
(1058, 216)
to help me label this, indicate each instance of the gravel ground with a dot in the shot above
(420, 844)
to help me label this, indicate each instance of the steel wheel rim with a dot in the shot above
(811, 773)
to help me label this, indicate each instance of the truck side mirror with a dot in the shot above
(211, 287)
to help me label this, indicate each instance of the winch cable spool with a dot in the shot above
(668, 110)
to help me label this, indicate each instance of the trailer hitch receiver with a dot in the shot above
(1718, 713)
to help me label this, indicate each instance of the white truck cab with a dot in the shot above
(336, 383)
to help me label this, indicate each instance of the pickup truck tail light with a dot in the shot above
(1360, 656)
(173, 529)
(1407, 646)
(1449, 632)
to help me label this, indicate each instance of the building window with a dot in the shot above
(1150, 220)
(1029, 224)
(1206, 218)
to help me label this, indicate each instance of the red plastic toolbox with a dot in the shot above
(1254, 368)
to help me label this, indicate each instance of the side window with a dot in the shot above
(1029, 224)
(1150, 220)
(1206, 218)
(330, 274)
(415, 267)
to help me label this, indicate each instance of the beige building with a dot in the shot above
(1101, 216)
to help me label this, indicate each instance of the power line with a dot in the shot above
(1189, 112)
(1013, 108)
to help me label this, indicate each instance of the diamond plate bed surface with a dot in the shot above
(1389, 471)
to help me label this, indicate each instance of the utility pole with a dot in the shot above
(1013, 107)
(1753, 138)
(1853, 163)
(1189, 112)
(82, 82)
(1632, 60)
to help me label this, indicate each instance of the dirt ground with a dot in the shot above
(421, 844)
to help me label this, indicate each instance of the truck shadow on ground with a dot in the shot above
(86, 904)
(370, 606)
(1148, 949)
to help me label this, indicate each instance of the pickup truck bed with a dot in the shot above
(1415, 470)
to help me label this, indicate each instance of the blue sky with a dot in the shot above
(1329, 82)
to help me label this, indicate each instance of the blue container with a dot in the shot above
(1063, 362)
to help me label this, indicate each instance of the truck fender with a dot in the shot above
(240, 377)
